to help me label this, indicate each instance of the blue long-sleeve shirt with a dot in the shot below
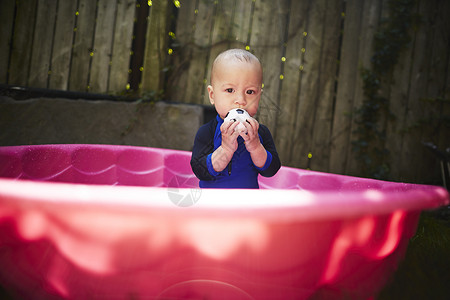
(241, 171)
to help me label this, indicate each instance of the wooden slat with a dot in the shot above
(156, 47)
(398, 134)
(6, 27)
(196, 86)
(293, 66)
(345, 94)
(62, 45)
(369, 24)
(83, 46)
(182, 53)
(241, 23)
(267, 41)
(43, 36)
(411, 141)
(123, 32)
(444, 139)
(432, 107)
(396, 129)
(220, 39)
(306, 111)
(99, 72)
(22, 42)
(320, 148)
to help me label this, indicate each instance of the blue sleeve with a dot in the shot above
(210, 166)
(273, 163)
(267, 164)
(203, 148)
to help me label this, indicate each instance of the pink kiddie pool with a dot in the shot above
(122, 222)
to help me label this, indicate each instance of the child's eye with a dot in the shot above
(250, 92)
(229, 90)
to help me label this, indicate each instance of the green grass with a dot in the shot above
(425, 271)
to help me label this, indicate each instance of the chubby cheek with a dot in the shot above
(252, 108)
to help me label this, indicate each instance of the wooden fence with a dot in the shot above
(312, 52)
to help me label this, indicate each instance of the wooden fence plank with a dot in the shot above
(414, 113)
(102, 52)
(156, 47)
(83, 46)
(196, 86)
(369, 24)
(22, 42)
(43, 36)
(62, 45)
(220, 39)
(240, 27)
(444, 139)
(123, 33)
(396, 129)
(182, 51)
(432, 106)
(267, 42)
(293, 67)
(326, 78)
(345, 94)
(306, 113)
(6, 27)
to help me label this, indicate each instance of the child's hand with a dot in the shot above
(251, 138)
(229, 136)
(252, 143)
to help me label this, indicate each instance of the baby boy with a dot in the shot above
(223, 156)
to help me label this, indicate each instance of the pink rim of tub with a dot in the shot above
(106, 221)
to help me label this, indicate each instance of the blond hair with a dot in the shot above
(235, 55)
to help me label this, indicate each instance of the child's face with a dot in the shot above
(236, 84)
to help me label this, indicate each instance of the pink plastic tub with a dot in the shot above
(121, 222)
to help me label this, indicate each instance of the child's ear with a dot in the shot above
(211, 94)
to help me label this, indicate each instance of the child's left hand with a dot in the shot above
(251, 138)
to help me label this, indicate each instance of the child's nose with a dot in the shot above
(240, 99)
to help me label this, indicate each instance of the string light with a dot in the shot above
(170, 51)
(283, 59)
(281, 77)
(128, 86)
(309, 155)
(177, 3)
(247, 47)
(141, 69)
(149, 2)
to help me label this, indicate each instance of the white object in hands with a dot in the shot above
(239, 115)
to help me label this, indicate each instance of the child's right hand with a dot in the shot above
(229, 136)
